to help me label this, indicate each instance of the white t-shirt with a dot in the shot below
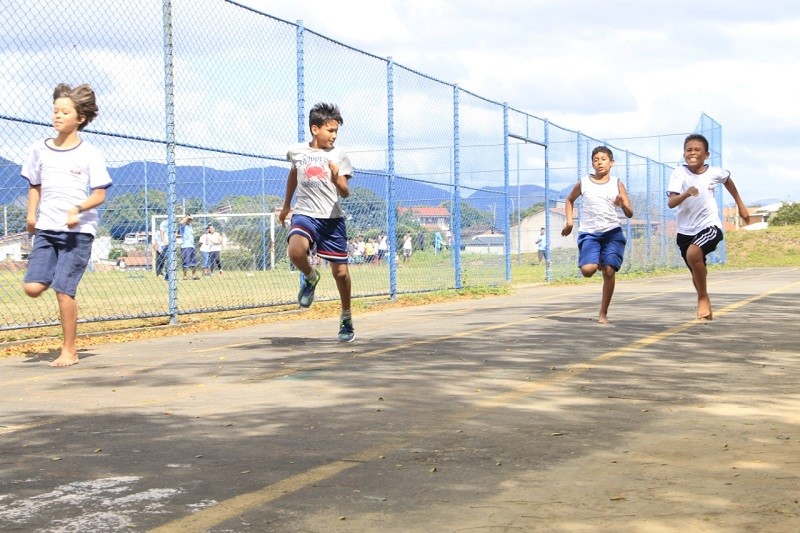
(696, 213)
(316, 195)
(204, 244)
(163, 237)
(66, 177)
(598, 212)
(214, 241)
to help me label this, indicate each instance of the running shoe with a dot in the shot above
(306, 295)
(346, 331)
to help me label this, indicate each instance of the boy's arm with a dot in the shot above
(743, 213)
(291, 186)
(676, 199)
(340, 182)
(95, 199)
(34, 195)
(623, 201)
(569, 207)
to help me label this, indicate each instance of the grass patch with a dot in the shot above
(772, 247)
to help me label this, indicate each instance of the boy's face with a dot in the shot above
(65, 117)
(695, 154)
(325, 135)
(601, 163)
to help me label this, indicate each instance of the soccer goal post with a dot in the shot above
(253, 233)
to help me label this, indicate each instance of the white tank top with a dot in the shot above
(598, 212)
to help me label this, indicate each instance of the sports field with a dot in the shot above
(513, 412)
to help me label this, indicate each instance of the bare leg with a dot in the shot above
(588, 270)
(298, 254)
(342, 276)
(694, 257)
(68, 309)
(609, 282)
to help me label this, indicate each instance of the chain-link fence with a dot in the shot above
(198, 103)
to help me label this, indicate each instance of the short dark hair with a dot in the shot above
(82, 97)
(696, 137)
(604, 149)
(321, 113)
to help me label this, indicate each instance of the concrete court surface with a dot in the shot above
(508, 413)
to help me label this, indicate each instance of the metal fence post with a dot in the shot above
(506, 182)
(169, 101)
(391, 201)
(455, 231)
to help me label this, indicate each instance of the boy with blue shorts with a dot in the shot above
(601, 243)
(67, 180)
(691, 191)
(319, 175)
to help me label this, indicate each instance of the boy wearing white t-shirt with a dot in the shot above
(319, 174)
(601, 243)
(691, 190)
(67, 180)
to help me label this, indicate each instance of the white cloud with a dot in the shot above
(614, 69)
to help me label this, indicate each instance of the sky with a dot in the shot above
(612, 69)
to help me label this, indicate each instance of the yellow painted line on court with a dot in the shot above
(233, 507)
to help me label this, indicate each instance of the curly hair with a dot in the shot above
(83, 98)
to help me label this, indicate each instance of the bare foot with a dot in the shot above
(65, 359)
(603, 319)
(704, 309)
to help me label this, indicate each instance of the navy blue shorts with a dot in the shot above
(189, 259)
(329, 235)
(707, 240)
(602, 248)
(58, 259)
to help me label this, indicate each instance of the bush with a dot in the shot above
(116, 253)
(787, 215)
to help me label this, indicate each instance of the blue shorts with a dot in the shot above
(58, 259)
(707, 240)
(602, 248)
(329, 235)
(188, 257)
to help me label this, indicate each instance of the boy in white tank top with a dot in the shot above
(601, 243)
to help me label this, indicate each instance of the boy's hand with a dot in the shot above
(567, 230)
(73, 218)
(30, 225)
(745, 216)
(334, 170)
(692, 191)
(283, 214)
(619, 201)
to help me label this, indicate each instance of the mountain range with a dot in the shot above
(214, 184)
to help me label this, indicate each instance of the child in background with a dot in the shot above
(320, 174)
(691, 191)
(601, 243)
(67, 179)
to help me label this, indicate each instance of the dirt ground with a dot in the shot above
(509, 413)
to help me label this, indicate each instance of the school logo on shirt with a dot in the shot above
(75, 171)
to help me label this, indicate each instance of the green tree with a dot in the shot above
(787, 215)
(132, 211)
(528, 211)
(471, 216)
(366, 212)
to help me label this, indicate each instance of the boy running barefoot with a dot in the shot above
(691, 190)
